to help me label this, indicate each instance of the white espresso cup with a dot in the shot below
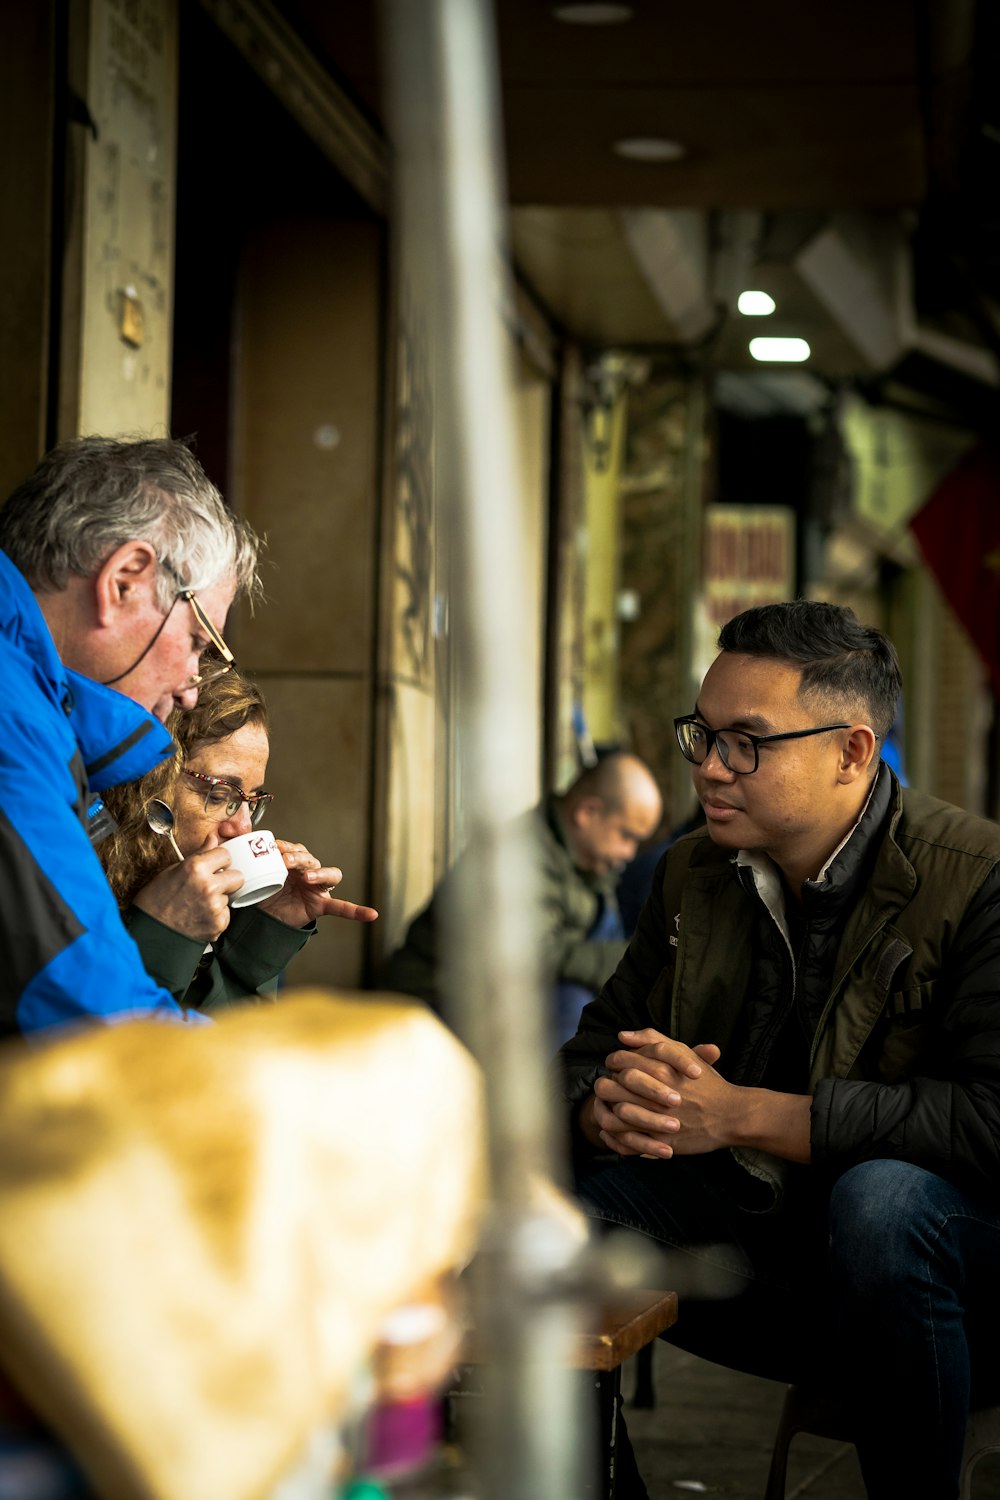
(258, 859)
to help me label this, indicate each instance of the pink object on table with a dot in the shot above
(401, 1435)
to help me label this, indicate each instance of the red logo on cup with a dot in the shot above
(258, 845)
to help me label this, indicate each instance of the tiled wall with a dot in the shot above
(305, 472)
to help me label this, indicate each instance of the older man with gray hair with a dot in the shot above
(118, 566)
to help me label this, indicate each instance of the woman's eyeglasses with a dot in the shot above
(223, 800)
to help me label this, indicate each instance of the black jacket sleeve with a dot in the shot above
(946, 1118)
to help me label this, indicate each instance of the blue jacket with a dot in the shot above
(66, 954)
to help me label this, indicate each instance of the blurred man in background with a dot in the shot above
(581, 839)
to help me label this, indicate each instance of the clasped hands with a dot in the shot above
(661, 1098)
(193, 897)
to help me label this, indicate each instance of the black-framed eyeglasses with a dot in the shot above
(737, 749)
(223, 800)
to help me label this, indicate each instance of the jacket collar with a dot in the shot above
(23, 625)
(118, 740)
(855, 855)
(849, 864)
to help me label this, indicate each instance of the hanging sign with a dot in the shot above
(749, 558)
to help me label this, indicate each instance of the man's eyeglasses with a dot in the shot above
(738, 750)
(223, 800)
(215, 668)
(212, 669)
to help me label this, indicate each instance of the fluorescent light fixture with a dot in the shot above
(650, 148)
(790, 351)
(755, 304)
(592, 15)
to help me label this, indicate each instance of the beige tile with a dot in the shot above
(306, 433)
(319, 774)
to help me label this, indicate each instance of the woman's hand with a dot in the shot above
(193, 897)
(305, 895)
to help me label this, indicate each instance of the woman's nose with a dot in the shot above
(231, 828)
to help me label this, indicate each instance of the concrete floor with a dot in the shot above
(711, 1433)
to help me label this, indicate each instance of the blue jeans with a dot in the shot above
(882, 1288)
(568, 1001)
(569, 996)
(914, 1271)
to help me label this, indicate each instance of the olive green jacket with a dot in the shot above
(242, 966)
(569, 903)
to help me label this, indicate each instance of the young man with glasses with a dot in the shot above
(794, 1075)
(119, 562)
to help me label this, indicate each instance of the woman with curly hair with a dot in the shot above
(206, 953)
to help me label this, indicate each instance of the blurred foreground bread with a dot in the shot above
(201, 1229)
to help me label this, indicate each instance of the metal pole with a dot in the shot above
(453, 262)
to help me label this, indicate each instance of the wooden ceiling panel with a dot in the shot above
(578, 263)
(786, 106)
(720, 42)
(778, 103)
(811, 147)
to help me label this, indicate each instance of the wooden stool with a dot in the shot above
(644, 1393)
(823, 1415)
(629, 1323)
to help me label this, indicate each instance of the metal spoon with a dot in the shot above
(161, 820)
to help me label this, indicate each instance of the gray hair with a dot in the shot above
(92, 494)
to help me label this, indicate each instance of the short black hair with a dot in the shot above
(840, 658)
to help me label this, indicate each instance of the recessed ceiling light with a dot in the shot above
(592, 15)
(789, 351)
(755, 304)
(650, 148)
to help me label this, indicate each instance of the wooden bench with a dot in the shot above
(627, 1324)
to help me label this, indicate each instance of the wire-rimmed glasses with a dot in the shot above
(211, 669)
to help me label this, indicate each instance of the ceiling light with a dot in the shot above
(592, 15)
(650, 148)
(755, 304)
(791, 351)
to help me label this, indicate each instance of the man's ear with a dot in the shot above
(857, 753)
(131, 568)
(586, 809)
